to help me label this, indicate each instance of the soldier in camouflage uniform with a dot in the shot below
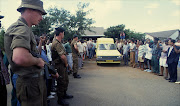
(19, 42)
(60, 61)
(75, 55)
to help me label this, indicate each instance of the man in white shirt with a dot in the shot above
(125, 52)
(163, 59)
(132, 53)
(80, 59)
(141, 54)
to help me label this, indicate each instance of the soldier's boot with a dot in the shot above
(66, 96)
(63, 102)
(76, 76)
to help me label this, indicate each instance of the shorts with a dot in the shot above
(147, 61)
(162, 62)
(140, 59)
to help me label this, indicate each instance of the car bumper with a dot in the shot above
(108, 61)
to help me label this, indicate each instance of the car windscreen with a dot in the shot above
(106, 47)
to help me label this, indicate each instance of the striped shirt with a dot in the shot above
(141, 50)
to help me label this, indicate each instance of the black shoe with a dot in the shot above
(69, 73)
(66, 96)
(167, 78)
(172, 81)
(63, 102)
(77, 77)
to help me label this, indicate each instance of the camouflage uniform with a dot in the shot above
(75, 55)
(30, 85)
(57, 51)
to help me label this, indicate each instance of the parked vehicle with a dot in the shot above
(106, 51)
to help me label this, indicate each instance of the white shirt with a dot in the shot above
(84, 47)
(48, 48)
(170, 49)
(148, 52)
(80, 47)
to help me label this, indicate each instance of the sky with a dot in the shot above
(137, 15)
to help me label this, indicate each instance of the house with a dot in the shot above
(173, 34)
(97, 32)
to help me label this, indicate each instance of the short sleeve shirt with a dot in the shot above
(133, 47)
(19, 35)
(58, 47)
(74, 51)
(68, 47)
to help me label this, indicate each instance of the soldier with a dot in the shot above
(60, 61)
(75, 55)
(20, 42)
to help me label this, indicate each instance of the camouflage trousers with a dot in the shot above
(62, 83)
(75, 64)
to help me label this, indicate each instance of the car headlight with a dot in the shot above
(100, 57)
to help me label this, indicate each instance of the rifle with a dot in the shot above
(49, 69)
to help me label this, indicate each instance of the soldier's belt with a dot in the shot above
(38, 75)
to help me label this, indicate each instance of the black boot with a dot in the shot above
(63, 102)
(76, 76)
(66, 96)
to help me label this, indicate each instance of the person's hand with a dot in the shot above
(55, 76)
(42, 38)
(67, 65)
(40, 63)
(164, 51)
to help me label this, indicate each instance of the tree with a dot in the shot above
(82, 22)
(62, 18)
(114, 32)
(43, 27)
(77, 23)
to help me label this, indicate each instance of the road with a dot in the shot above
(117, 85)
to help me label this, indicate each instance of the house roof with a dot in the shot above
(163, 34)
(98, 31)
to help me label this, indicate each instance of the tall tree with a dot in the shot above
(77, 23)
(82, 22)
(114, 32)
(43, 27)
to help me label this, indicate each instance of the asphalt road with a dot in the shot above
(117, 85)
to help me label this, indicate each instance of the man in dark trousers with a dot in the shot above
(75, 55)
(60, 61)
(172, 61)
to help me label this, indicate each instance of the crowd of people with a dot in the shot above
(39, 66)
(152, 56)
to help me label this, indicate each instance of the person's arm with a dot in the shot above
(175, 49)
(64, 59)
(75, 46)
(42, 39)
(23, 57)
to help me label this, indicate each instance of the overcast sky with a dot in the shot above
(138, 15)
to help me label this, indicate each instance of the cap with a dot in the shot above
(75, 35)
(58, 30)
